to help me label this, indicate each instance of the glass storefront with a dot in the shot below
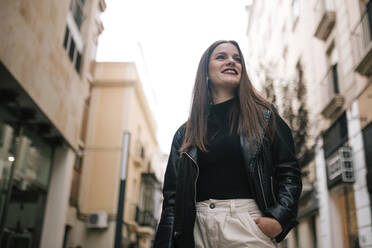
(25, 165)
(6, 161)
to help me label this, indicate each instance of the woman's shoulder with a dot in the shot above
(280, 124)
(181, 129)
(179, 134)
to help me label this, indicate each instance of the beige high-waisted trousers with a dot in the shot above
(229, 224)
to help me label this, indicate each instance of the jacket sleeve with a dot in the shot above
(287, 177)
(164, 233)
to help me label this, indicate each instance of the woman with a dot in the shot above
(232, 178)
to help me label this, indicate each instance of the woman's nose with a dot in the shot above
(231, 61)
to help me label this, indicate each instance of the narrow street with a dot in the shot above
(93, 91)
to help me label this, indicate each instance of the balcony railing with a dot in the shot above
(331, 100)
(325, 18)
(361, 36)
(145, 218)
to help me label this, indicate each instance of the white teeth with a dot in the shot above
(229, 70)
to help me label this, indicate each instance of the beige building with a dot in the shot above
(326, 45)
(46, 49)
(118, 106)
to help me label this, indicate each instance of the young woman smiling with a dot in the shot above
(232, 178)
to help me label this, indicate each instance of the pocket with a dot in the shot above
(253, 215)
(260, 232)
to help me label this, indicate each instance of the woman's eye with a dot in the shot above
(238, 59)
(220, 57)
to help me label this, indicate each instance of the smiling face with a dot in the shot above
(225, 66)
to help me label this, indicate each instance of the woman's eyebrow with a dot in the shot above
(224, 53)
(220, 53)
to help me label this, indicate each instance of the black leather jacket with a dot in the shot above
(272, 171)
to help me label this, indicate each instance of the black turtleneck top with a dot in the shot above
(221, 170)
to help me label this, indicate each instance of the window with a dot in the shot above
(301, 88)
(145, 209)
(78, 61)
(367, 13)
(142, 152)
(73, 52)
(76, 8)
(299, 71)
(66, 238)
(332, 59)
(367, 138)
(66, 39)
(335, 136)
(23, 193)
(72, 41)
(313, 230)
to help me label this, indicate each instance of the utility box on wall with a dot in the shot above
(340, 167)
(97, 220)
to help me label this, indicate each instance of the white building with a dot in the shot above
(46, 51)
(326, 44)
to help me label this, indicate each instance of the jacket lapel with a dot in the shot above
(193, 152)
(250, 149)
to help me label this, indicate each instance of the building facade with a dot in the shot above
(46, 49)
(320, 50)
(118, 107)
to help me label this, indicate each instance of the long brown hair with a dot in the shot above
(247, 112)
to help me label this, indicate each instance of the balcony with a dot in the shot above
(361, 37)
(145, 218)
(325, 18)
(147, 210)
(331, 99)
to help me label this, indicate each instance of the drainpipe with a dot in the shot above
(123, 177)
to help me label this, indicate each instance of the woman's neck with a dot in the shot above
(219, 97)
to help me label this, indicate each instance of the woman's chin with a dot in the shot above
(230, 84)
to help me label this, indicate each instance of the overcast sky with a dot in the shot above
(167, 38)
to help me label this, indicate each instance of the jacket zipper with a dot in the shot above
(197, 174)
(260, 178)
(272, 188)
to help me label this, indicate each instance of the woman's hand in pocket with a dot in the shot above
(269, 226)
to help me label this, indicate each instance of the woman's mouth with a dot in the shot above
(230, 71)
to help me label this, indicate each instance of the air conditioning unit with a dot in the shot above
(340, 167)
(97, 220)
